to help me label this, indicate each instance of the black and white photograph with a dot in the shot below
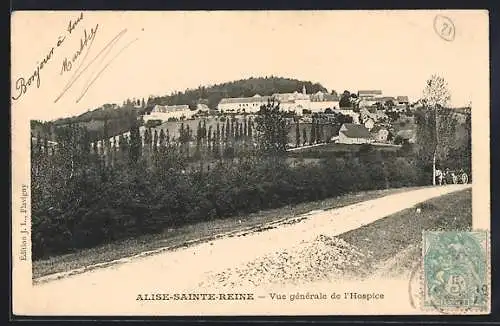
(250, 162)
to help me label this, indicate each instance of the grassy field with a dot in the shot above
(174, 126)
(204, 231)
(329, 130)
(392, 245)
(335, 147)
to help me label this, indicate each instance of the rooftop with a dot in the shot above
(407, 133)
(324, 97)
(377, 128)
(370, 92)
(352, 130)
(170, 108)
(258, 99)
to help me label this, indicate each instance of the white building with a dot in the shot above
(367, 102)
(369, 94)
(165, 112)
(296, 102)
(402, 100)
(321, 101)
(202, 107)
(351, 133)
(369, 123)
(400, 108)
(242, 104)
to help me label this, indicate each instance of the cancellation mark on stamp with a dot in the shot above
(455, 271)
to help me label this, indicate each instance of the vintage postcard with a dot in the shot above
(250, 163)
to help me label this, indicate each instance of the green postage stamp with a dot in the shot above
(456, 270)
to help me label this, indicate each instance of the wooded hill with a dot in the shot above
(211, 95)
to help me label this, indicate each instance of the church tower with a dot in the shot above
(304, 89)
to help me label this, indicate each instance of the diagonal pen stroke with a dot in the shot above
(76, 76)
(103, 57)
(101, 71)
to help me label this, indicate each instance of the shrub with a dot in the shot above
(111, 202)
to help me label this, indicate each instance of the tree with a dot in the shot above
(354, 102)
(436, 92)
(210, 137)
(147, 138)
(228, 129)
(217, 140)
(313, 132)
(321, 132)
(245, 129)
(231, 129)
(199, 136)
(304, 137)
(161, 141)
(155, 141)
(398, 140)
(318, 132)
(135, 145)
(340, 119)
(297, 134)
(433, 121)
(250, 129)
(345, 100)
(389, 104)
(167, 137)
(273, 130)
(393, 116)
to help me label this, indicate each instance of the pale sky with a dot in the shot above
(394, 51)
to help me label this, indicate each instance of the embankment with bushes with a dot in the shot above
(81, 203)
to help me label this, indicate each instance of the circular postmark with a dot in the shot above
(414, 284)
(444, 27)
(415, 293)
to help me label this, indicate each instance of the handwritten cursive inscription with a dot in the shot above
(101, 55)
(24, 84)
(72, 24)
(85, 42)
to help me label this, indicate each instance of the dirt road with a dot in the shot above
(295, 252)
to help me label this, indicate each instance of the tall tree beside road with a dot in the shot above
(436, 92)
(435, 122)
